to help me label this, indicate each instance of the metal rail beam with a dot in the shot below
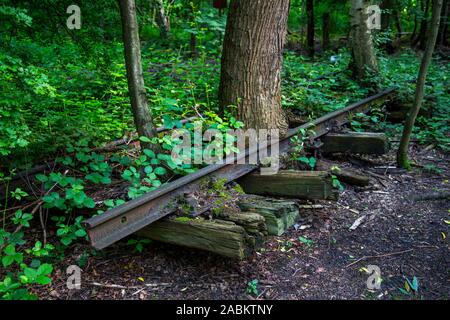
(134, 215)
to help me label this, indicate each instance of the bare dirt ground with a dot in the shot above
(405, 238)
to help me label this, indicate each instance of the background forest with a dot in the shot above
(64, 93)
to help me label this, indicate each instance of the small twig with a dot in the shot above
(198, 113)
(116, 286)
(378, 256)
(310, 206)
(44, 229)
(262, 293)
(139, 291)
(113, 286)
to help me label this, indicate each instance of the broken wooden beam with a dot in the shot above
(347, 176)
(279, 215)
(221, 237)
(307, 185)
(356, 143)
(351, 178)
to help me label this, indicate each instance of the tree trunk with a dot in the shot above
(363, 52)
(398, 23)
(252, 60)
(442, 35)
(414, 33)
(193, 38)
(326, 30)
(386, 7)
(162, 20)
(422, 37)
(402, 155)
(310, 27)
(142, 116)
(389, 17)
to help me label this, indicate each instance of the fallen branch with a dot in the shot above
(378, 256)
(116, 286)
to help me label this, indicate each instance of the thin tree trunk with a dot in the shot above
(402, 155)
(193, 38)
(421, 39)
(252, 61)
(414, 33)
(363, 52)
(398, 23)
(310, 27)
(326, 30)
(386, 6)
(162, 20)
(142, 116)
(442, 35)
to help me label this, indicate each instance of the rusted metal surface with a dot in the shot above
(132, 216)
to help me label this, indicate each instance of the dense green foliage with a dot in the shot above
(64, 92)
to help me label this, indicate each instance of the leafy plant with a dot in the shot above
(336, 183)
(252, 287)
(306, 241)
(299, 143)
(24, 264)
(138, 244)
(69, 232)
(410, 286)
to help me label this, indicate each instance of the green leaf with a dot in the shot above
(80, 233)
(45, 269)
(160, 171)
(61, 231)
(7, 261)
(10, 250)
(89, 203)
(30, 273)
(66, 241)
(41, 178)
(150, 153)
(145, 139)
(306, 241)
(148, 169)
(43, 280)
(109, 203)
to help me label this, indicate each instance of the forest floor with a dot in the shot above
(405, 238)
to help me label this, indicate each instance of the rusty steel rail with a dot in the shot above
(120, 222)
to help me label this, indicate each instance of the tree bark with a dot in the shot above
(387, 7)
(363, 53)
(442, 35)
(310, 27)
(141, 113)
(420, 41)
(326, 30)
(195, 5)
(402, 155)
(162, 20)
(398, 22)
(414, 33)
(252, 62)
